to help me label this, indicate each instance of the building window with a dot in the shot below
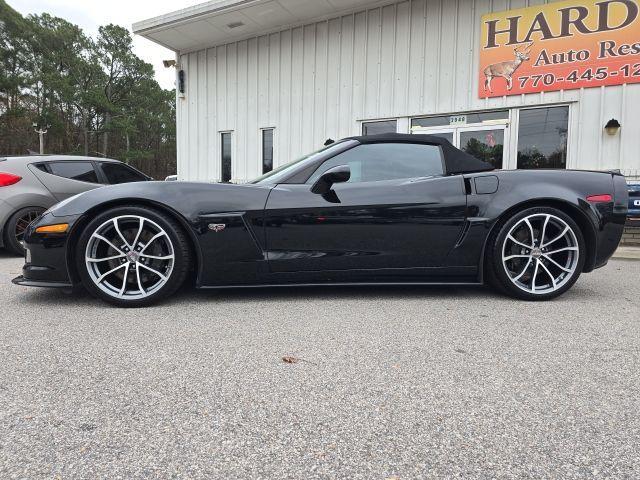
(542, 137)
(225, 154)
(376, 128)
(267, 150)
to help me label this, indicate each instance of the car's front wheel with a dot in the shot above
(16, 226)
(132, 256)
(537, 254)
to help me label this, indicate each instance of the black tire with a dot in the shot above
(182, 256)
(15, 226)
(496, 269)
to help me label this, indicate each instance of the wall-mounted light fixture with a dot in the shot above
(174, 64)
(612, 127)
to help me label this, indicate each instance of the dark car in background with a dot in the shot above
(31, 184)
(633, 217)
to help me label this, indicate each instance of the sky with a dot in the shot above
(90, 14)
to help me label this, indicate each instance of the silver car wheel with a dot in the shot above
(129, 257)
(540, 253)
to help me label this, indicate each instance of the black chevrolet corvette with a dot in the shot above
(385, 209)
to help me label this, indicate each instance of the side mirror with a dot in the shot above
(339, 174)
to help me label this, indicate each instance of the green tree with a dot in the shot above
(15, 78)
(96, 96)
(124, 72)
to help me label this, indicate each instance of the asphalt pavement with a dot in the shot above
(388, 382)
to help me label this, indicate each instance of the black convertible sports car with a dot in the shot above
(401, 209)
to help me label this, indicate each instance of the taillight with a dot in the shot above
(7, 179)
(601, 198)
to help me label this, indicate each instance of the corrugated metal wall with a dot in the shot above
(410, 58)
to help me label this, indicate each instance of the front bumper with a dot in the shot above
(47, 262)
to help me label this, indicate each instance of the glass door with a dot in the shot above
(487, 143)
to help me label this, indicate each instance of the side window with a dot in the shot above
(81, 171)
(225, 156)
(542, 137)
(386, 161)
(375, 128)
(267, 150)
(120, 173)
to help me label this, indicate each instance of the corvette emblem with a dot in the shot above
(217, 227)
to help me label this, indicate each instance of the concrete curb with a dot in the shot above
(628, 253)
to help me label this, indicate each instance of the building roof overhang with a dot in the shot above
(217, 22)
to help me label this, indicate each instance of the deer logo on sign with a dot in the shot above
(506, 69)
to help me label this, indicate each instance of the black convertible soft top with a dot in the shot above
(456, 161)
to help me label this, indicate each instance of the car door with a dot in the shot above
(65, 178)
(397, 211)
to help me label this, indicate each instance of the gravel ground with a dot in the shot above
(392, 383)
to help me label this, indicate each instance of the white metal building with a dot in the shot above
(297, 72)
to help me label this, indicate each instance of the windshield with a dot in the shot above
(282, 172)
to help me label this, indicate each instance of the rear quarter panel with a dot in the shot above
(519, 189)
(62, 187)
(28, 192)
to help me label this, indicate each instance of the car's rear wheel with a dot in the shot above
(16, 226)
(132, 256)
(537, 254)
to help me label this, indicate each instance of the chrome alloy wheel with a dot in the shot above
(540, 253)
(129, 257)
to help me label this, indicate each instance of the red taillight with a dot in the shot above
(603, 197)
(7, 179)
